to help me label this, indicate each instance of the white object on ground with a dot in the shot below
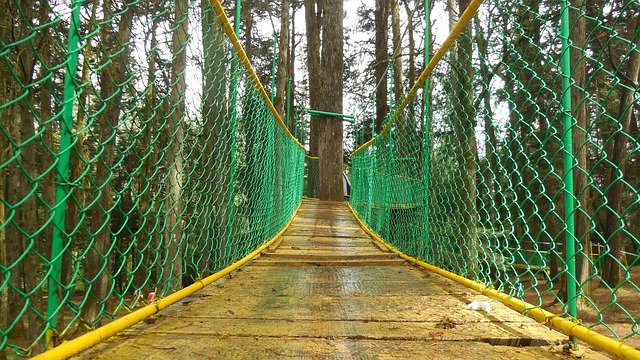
(480, 306)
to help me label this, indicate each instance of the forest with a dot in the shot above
(142, 149)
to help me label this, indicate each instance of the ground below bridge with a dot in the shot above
(326, 290)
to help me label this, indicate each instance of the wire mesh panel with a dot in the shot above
(138, 153)
(523, 173)
(312, 177)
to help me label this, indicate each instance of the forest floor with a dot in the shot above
(614, 313)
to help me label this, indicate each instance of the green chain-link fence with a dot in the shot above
(138, 153)
(312, 177)
(525, 172)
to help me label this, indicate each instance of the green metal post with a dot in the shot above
(234, 116)
(345, 117)
(62, 169)
(569, 161)
(274, 59)
(288, 114)
(296, 117)
(427, 129)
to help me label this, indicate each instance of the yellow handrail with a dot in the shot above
(244, 60)
(73, 347)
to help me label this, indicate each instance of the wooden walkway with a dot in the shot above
(327, 291)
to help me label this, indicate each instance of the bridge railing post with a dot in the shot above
(427, 131)
(569, 163)
(59, 236)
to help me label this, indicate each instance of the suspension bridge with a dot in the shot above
(154, 203)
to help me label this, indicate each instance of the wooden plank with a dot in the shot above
(443, 329)
(338, 275)
(354, 307)
(338, 262)
(327, 291)
(256, 288)
(172, 346)
(329, 254)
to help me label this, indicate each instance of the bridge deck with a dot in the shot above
(327, 291)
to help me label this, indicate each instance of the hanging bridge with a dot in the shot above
(155, 205)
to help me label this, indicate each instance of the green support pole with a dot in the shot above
(427, 130)
(62, 169)
(345, 117)
(274, 59)
(295, 124)
(288, 115)
(234, 116)
(373, 163)
(569, 161)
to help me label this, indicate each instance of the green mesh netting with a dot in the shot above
(508, 175)
(137, 154)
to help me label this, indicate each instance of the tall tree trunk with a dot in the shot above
(172, 267)
(580, 144)
(146, 241)
(313, 19)
(380, 64)
(491, 144)
(313, 10)
(44, 158)
(331, 131)
(216, 119)
(280, 103)
(397, 52)
(411, 75)
(283, 61)
(111, 77)
(247, 20)
(452, 9)
(465, 129)
(615, 262)
(78, 158)
(292, 72)
(20, 224)
(5, 96)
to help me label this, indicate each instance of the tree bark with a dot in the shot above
(282, 73)
(313, 22)
(380, 65)
(397, 52)
(78, 158)
(172, 238)
(217, 146)
(411, 75)
(466, 139)
(580, 144)
(112, 76)
(491, 144)
(615, 262)
(331, 131)
(146, 241)
(21, 238)
(292, 72)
